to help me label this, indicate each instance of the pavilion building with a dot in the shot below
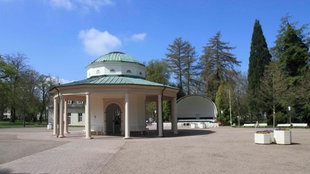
(113, 97)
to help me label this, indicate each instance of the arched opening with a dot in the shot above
(113, 119)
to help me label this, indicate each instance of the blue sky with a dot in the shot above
(61, 37)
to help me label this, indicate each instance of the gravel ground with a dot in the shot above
(219, 150)
(214, 150)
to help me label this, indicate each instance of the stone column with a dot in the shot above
(160, 117)
(61, 119)
(55, 117)
(127, 125)
(66, 116)
(174, 119)
(87, 118)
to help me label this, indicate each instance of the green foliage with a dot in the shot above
(166, 111)
(292, 54)
(24, 91)
(259, 58)
(19, 124)
(218, 64)
(157, 71)
(281, 118)
(224, 117)
(219, 100)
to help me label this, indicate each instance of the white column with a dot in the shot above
(61, 119)
(174, 119)
(87, 118)
(160, 117)
(55, 117)
(66, 117)
(127, 126)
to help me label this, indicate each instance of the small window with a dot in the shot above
(129, 71)
(140, 73)
(80, 117)
(112, 70)
(98, 71)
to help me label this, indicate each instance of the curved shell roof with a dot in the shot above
(116, 57)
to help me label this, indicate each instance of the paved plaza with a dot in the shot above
(212, 150)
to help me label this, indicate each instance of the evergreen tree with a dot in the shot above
(292, 52)
(190, 69)
(180, 60)
(259, 58)
(176, 58)
(218, 64)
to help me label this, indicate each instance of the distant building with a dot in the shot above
(111, 100)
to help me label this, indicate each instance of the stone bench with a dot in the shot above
(284, 125)
(249, 125)
(300, 125)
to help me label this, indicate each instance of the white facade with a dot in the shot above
(115, 68)
(114, 97)
(196, 107)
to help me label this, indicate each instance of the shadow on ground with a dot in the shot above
(181, 133)
(5, 171)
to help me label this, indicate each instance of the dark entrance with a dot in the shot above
(113, 119)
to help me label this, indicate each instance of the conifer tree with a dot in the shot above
(218, 64)
(292, 52)
(180, 59)
(259, 58)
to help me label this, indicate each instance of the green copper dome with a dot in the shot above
(116, 57)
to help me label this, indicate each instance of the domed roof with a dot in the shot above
(116, 57)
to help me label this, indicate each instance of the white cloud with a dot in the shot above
(80, 4)
(67, 4)
(99, 42)
(59, 81)
(93, 4)
(139, 36)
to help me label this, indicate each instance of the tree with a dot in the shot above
(292, 52)
(218, 64)
(304, 92)
(273, 91)
(175, 59)
(180, 59)
(6, 71)
(157, 71)
(18, 61)
(28, 102)
(190, 68)
(259, 58)
(241, 96)
(44, 83)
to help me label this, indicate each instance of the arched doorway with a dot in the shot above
(113, 119)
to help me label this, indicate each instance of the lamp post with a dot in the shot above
(289, 114)
(230, 119)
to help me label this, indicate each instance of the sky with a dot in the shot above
(61, 37)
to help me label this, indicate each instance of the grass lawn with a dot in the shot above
(18, 124)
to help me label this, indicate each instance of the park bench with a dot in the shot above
(262, 125)
(284, 125)
(249, 125)
(300, 125)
